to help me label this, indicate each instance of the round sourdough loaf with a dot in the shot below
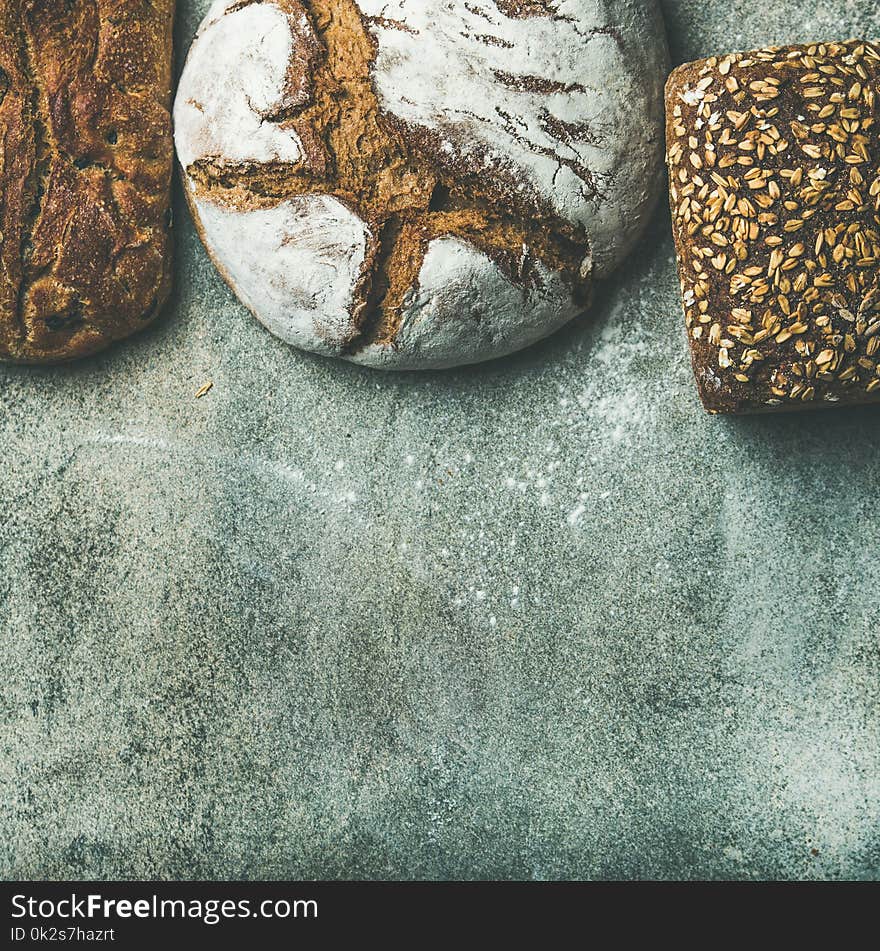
(421, 183)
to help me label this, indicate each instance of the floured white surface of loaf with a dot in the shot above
(557, 102)
(295, 265)
(237, 79)
(502, 317)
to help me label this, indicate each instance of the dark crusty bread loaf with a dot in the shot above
(85, 91)
(774, 159)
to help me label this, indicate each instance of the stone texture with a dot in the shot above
(540, 618)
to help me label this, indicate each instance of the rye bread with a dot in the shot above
(85, 91)
(420, 184)
(774, 162)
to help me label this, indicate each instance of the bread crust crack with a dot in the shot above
(387, 173)
(85, 173)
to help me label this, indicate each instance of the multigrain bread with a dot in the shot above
(85, 256)
(774, 160)
(421, 183)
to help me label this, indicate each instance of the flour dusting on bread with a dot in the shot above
(295, 265)
(525, 99)
(457, 172)
(502, 315)
(228, 112)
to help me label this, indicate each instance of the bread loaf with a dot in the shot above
(421, 183)
(774, 160)
(85, 173)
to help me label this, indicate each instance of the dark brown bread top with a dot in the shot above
(774, 160)
(85, 92)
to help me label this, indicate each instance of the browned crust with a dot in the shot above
(85, 174)
(774, 159)
(387, 173)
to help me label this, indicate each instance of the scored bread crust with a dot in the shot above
(86, 252)
(354, 228)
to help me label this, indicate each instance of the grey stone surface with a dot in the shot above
(541, 618)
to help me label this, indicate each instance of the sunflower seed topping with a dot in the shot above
(774, 160)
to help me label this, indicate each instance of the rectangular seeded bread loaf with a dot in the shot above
(86, 168)
(774, 160)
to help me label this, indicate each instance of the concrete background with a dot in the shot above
(541, 618)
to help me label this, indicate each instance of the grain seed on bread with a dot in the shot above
(774, 162)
